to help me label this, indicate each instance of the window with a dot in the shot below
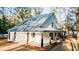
(50, 34)
(33, 34)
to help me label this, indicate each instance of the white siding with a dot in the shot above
(77, 35)
(21, 37)
(11, 36)
(35, 41)
(46, 39)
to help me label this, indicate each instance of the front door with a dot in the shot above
(51, 35)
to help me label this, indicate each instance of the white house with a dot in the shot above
(41, 31)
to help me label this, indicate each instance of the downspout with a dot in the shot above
(8, 36)
(14, 36)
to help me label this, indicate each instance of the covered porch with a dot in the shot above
(47, 39)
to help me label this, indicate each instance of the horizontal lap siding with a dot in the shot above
(11, 36)
(46, 39)
(21, 37)
(35, 41)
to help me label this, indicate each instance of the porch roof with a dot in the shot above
(47, 30)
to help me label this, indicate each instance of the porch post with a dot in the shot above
(64, 34)
(27, 38)
(53, 35)
(41, 39)
(57, 36)
(50, 41)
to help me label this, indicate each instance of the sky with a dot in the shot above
(9, 11)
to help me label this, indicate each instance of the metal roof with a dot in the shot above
(42, 22)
